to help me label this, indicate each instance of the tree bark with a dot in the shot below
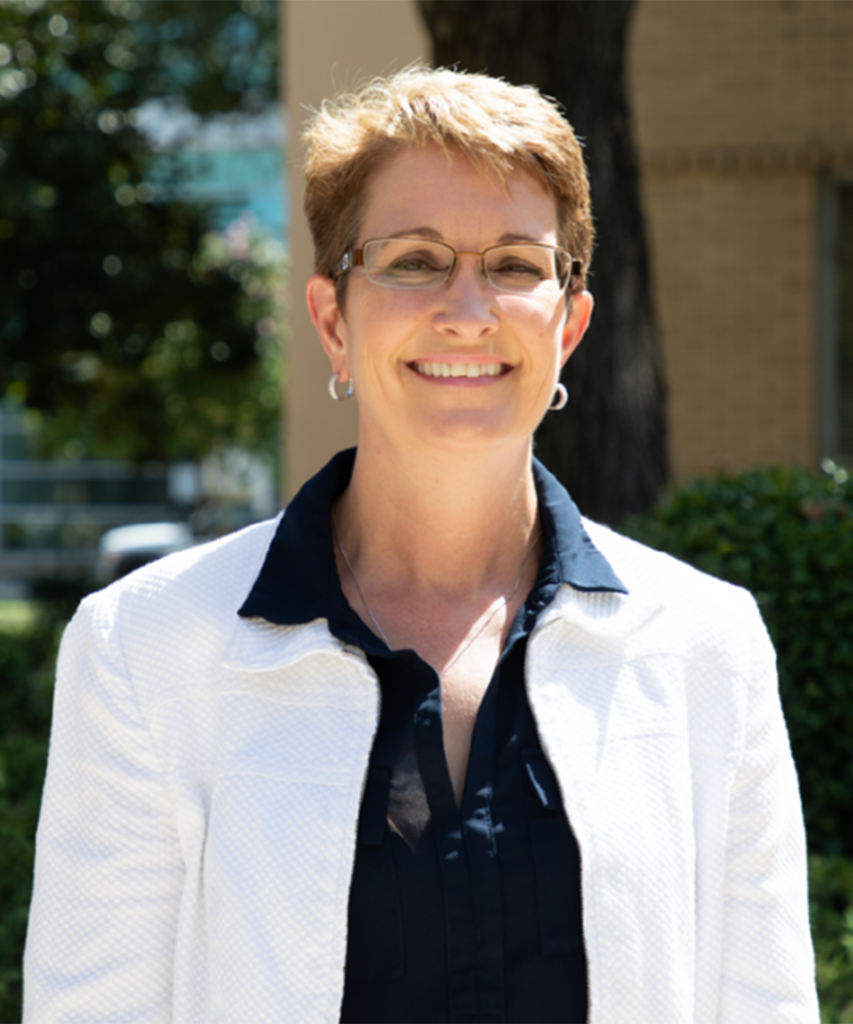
(609, 445)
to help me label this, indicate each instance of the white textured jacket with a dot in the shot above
(198, 827)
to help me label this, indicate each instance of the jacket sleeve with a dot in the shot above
(108, 871)
(768, 963)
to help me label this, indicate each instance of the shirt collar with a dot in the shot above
(298, 582)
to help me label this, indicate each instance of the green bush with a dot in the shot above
(831, 906)
(26, 683)
(786, 535)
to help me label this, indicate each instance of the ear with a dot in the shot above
(328, 319)
(577, 322)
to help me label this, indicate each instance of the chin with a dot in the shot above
(470, 430)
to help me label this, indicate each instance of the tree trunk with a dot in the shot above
(609, 445)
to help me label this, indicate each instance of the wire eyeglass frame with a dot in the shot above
(565, 277)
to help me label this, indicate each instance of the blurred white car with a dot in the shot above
(128, 547)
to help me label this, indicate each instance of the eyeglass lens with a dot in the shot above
(418, 263)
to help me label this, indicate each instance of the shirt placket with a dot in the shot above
(466, 849)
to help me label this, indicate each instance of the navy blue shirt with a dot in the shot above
(467, 913)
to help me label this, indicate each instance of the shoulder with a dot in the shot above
(695, 610)
(179, 605)
(642, 567)
(213, 576)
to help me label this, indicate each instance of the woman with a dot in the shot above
(428, 747)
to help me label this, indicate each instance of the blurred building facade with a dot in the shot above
(232, 163)
(744, 124)
(53, 511)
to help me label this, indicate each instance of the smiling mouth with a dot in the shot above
(460, 369)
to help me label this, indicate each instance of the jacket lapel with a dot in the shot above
(298, 712)
(608, 702)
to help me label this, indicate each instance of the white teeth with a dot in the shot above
(459, 369)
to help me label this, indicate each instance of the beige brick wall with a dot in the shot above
(735, 273)
(740, 107)
(743, 72)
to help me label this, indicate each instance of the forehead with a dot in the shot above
(426, 188)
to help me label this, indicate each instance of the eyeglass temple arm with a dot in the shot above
(575, 272)
(353, 258)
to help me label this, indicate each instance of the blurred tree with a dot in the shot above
(136, 332)
(609, 445)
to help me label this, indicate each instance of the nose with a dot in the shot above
(476, 262)
(466, 302)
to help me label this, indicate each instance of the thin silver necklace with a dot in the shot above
(505, 604)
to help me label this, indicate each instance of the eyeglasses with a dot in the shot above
(419, 263)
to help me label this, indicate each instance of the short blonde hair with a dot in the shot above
(500, 128)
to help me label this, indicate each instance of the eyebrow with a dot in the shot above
(508, 238)
(426, 232)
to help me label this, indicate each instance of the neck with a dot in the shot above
(445, 523)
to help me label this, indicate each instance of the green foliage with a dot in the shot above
(115, 322)
(831, 906)
(787, 536)
(192, 398)
(212, 57)
(26, 669)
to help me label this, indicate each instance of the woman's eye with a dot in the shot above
(414, 263)
(519, 268)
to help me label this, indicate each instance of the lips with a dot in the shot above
(472, 370)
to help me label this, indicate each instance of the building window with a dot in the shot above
(844, 318)
(835, 319)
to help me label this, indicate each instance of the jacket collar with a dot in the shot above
(298, 582)
(297, 592)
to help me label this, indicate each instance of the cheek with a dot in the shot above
(531, 317)
(546, 336)
(383, 322)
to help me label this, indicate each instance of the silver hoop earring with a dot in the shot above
(561, 400)
(333, 389)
